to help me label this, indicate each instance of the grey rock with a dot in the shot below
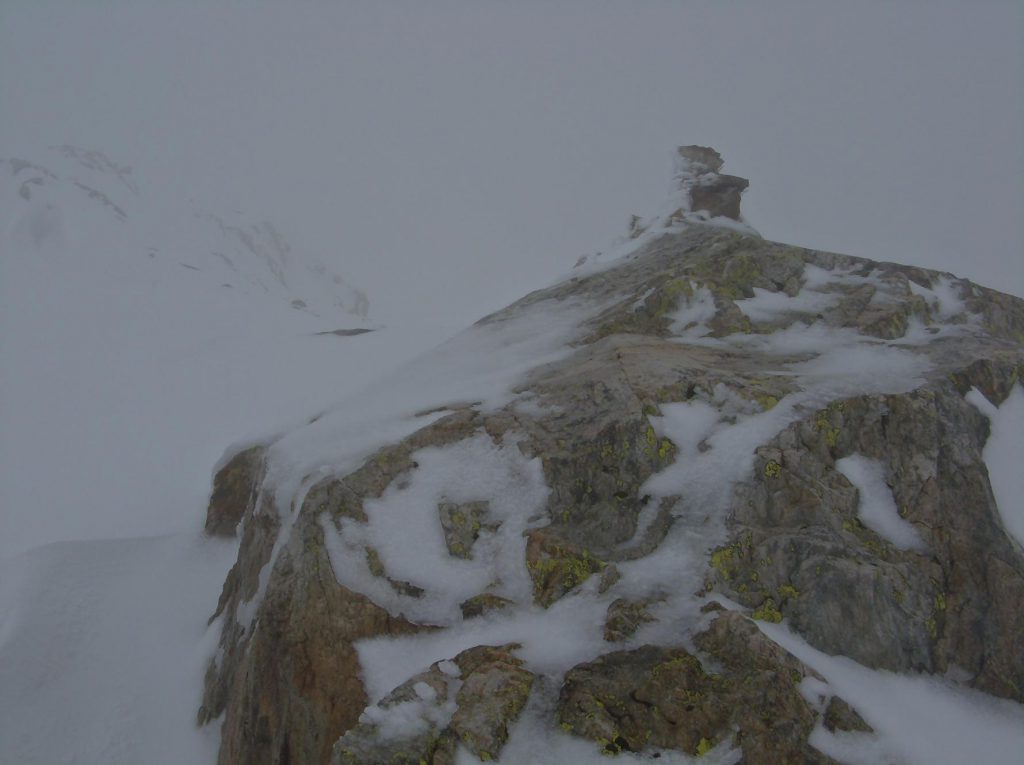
(235, 488)
(624, 618)
(667, 698)
(462, 524)
(474, 707)
(288, 683)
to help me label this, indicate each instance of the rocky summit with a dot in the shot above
(694, 501)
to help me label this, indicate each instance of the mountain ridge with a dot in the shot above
(67, 209)
(574, 527)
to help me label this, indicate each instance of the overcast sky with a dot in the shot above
(453, 155)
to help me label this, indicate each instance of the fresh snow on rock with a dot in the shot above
(877, 507)
(919, 720)
(1004, 456)
(767, 305)
(403, 528)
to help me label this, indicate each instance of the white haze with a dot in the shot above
(446, 157)
(454, 154)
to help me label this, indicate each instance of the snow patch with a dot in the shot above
(404, 528)
(877, 508)
(1004, 456)
(690, 319)
(767, 306)
(103, 649)
(943, 298)
(919, 719)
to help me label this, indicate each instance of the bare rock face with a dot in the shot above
(693, 435)
(234, 491)
(471, 699)
(667, 698)
(698, 176)
(624, 618)
(798, 540)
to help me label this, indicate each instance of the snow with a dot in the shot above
(103, 646)
(919, 719)
(115, 364)
(412, 717)
(861, 369)
(125, 375)
(553, 640)
(816, 277)
(1004, 455)
(877, 508)
(767, 306)
(403, 527)
(691, 317)
(943, 297)
(481, 366)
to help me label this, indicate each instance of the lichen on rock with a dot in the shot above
(684, 440)
(470, 700)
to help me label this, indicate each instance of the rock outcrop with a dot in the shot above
(706, 190)
(713, 422)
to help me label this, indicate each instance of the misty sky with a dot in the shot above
(453, 155)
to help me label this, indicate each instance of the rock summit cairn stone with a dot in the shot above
(706, 192)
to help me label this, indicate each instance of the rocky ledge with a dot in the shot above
(581, 522)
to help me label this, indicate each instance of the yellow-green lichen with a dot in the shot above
(678, 663)
(940, 601)
(374, 563)
(569, 572)
(651, 438)
(722, 560)
(704, 746)
(789, 592)
(772, 469)
(667, 298)
(665, 448)
(765, 400)
(767, 612)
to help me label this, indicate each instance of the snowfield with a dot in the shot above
(125, 376)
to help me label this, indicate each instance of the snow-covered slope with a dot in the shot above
(77, 200)
(608, 417)
(139, 337)
(117, 309)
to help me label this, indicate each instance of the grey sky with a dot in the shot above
(453, 155)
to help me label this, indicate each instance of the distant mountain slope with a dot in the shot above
(132, 322)
(76, 200)
(126, 365)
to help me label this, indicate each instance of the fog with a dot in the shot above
(453, 155)
(446, 157)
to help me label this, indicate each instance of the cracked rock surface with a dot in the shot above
(686, 442)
